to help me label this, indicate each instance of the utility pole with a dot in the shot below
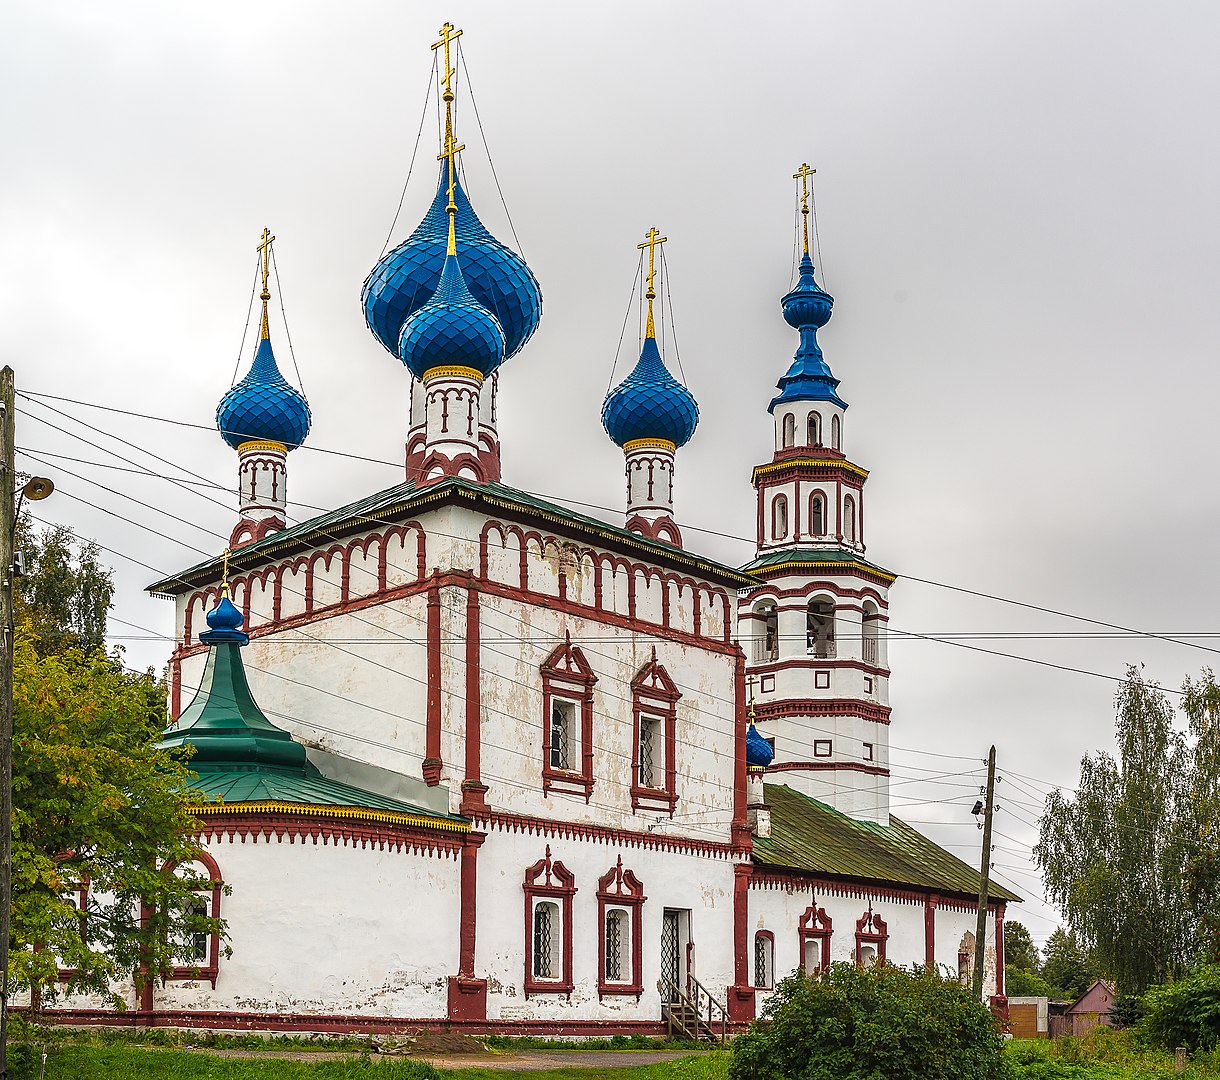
(8, 511)
(980, 929)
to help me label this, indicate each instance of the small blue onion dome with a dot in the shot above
(452, 329)
(809, 378)
(401, 283)
(650, 404)
(264, 405)
(224, 624)
(759, 752)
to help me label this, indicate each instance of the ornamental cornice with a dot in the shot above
(836, 567)
(348, 813)
(809, 466)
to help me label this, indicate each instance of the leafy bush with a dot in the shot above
(880, 1023)
(1021, 983)
(1184, 1013)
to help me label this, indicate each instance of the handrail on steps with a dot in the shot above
(693, 1000)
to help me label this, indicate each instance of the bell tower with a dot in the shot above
(814, 628)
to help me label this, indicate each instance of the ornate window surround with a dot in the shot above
(816, 925)
(620, 889)
(549, 880)
(566, 675)
(654, 693)
(871, 929)
(212, 891)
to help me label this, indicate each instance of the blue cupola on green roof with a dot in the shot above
(224, 723)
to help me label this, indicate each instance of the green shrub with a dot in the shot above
(1184, 1013)
(880, 1023)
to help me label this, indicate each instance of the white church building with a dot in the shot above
(474, 760)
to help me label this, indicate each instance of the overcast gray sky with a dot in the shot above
(1018, 220)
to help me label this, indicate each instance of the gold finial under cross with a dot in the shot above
(224, 572)
(652, 240)
(803, 174)
(265, 249)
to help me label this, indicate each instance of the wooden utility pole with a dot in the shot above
(980, 928)
(7, 527)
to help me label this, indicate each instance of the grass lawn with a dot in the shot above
(140, 1063)
(1102, 1055)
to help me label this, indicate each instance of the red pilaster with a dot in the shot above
(468, 995)
(175, 687)
(740, 827)
(432, 738)
(741, 994)
(929, 931)
(474, 791)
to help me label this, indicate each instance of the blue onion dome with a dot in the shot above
(808, 304)
(452, 330)
(759, 752)
(809, 378)
(224, 623)
(650, 404)
(264, 405)
(498, 278)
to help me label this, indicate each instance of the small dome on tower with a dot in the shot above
(452, 330)
(759, 752)
(808, 304)
(650, 404)
(497, 277)
(264, 405)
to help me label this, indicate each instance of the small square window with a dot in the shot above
(868, 751)
(868, 684)
(768, 683)
(821, 748)
(821, 680)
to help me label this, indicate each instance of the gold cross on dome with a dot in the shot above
(224, 573)
(750, 682)
(652, 240)
(448, 34)
(265, 249)
(803, 174)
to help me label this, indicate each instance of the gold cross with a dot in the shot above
(803, 174)
(652, 241)
(750, 683)
(448, 34)
(224, 573)
(265, 295)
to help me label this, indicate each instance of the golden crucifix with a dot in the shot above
(750, 682)
(803, 174)
(652, 240)
(224, 573)
(451, 146)
(265, 249)
(448, 34)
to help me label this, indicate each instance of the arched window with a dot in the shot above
(820, 629)
(872, 933)
(835, 428)
(813, 435)
(546, 933)
(871, 653)
(815, 928)
(779, 517)
(620, 901)
(196, 941)
(817, 514)
(766, 641)
(789, 430)
(849, 519)
(764, 960)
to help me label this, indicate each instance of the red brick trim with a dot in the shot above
(741, 994)
(999, 950)
(432, 763)
(619, 888)
(769, 666)
(237, 827)
(547, 880)
(574, 830)
(474, 791)
(467, 994)
(741, 834)
(929, 931)
(794, 881)
(828, 766)
(785, 707)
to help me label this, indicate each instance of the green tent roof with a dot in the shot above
(809, 837)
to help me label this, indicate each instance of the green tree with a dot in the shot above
(1112, 857)
(65, 593)
(1068, 970)
(1019, 948)
(1200, 829)
(878, 1023)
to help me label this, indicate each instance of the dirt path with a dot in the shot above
(525, 1061)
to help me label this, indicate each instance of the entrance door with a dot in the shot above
(675, 939)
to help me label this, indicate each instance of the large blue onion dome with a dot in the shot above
(264, 405)
(807, 308)
(452, 330)
(650, 404)
(759, 752)
(401, 283)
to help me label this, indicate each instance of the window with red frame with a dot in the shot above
(654, 710)
(620, 904)
(549, 888)
(567, 722)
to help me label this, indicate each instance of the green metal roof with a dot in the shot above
(810, 837)
(259, 786)
(408, 498)
(815, 558)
